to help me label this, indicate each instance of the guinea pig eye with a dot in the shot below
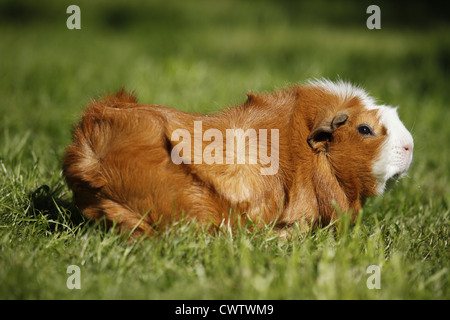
(365, 130)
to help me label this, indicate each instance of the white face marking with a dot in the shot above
(397, 151)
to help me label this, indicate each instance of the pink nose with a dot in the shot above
(408, 147)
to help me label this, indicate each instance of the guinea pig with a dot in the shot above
(290, 157)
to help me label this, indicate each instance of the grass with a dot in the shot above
(202, 57)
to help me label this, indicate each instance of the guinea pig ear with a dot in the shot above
(323, 133)
(339, 120)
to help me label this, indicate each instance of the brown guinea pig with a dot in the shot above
(292, 156)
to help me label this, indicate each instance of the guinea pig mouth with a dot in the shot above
(396, 176)
(394, 179)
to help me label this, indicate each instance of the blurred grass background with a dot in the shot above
(203, 56)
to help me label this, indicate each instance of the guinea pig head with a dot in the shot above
(365, 146)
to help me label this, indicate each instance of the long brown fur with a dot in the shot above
(119, 164)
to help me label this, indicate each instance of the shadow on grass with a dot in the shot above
(48, 204)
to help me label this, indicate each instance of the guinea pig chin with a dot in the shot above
(397, 151)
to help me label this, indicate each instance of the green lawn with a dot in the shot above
(203, 56)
